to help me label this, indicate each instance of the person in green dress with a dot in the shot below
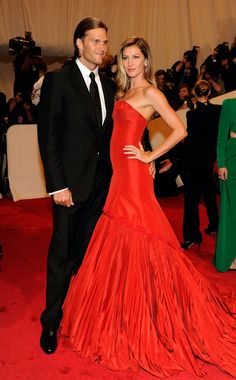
(225, 256)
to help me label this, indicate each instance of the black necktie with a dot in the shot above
(96, 98)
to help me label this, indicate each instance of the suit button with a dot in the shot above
(98, 153)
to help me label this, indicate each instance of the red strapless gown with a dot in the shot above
(137, 301)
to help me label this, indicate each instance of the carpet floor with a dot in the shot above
(25, 228)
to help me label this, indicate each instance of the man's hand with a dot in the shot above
(166, 165)
(63, 198)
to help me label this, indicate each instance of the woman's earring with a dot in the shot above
(145, 64)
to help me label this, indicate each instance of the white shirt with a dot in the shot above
(35, 95)
(85, 73)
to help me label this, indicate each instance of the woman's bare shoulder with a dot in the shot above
(153, 94)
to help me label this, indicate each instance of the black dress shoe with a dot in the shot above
(190, 243)
(48, 340)
(210, 231)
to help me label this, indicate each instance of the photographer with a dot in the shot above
(28, 63)
(212, 73)
(213, 67)
(20, 110)
(109, 66)
(163, 85)
(185, 71)
(228, 69)
(185, 99)
(212, 58)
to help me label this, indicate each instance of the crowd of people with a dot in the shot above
(219, 69)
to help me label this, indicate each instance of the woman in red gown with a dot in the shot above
(137, 301)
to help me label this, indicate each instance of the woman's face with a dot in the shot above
(133, 61)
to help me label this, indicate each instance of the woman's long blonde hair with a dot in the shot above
(122, 79)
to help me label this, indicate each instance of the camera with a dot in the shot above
(189, 101)
(21, 44)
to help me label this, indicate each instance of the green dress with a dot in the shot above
(226, 157)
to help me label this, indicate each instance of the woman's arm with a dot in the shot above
(160, 104)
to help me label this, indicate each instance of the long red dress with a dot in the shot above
(137, 301)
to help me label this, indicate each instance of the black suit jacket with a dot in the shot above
(200, 144)
(69, 138)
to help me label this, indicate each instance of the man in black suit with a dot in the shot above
(198, 162)
(74, 134)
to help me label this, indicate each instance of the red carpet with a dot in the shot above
(25, 231)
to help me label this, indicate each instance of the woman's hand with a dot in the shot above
(222, 173)
(152, 169)
(137, 153)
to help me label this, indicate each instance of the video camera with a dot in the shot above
(22, 44)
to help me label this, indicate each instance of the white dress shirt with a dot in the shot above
(85, 73)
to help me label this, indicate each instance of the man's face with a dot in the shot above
(187, 65)
(161, 79)
(183, 93)
(92, 47)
